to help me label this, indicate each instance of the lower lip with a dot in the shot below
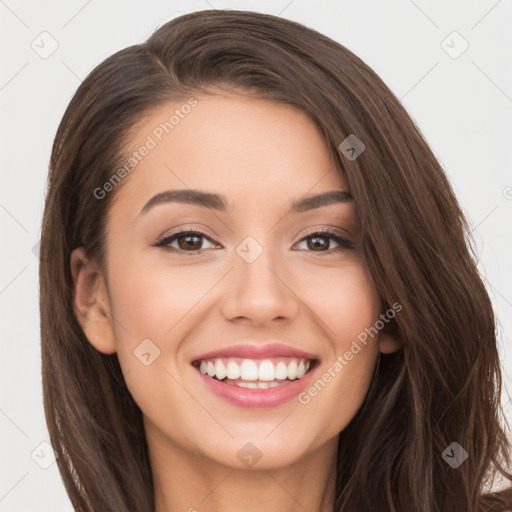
(257, 398)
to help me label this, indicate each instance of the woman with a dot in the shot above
(256, 290)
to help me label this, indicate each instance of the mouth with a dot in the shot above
(249, 382)
(254, 373)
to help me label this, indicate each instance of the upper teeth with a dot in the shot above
(249, 369)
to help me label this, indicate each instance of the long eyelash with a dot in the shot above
(164, 241)
(343, 242)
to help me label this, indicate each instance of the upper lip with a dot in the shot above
(255, 351)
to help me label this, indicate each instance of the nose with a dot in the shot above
(259, 293)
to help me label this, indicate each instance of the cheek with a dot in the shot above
(151, 299)
(347, 303)
(357, 309)
(157, 303)
(348, 307)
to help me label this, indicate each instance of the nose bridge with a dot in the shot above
(257, 288)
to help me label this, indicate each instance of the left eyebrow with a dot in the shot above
(219, 202)
(325, 199)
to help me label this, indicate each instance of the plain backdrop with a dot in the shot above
(447, 61)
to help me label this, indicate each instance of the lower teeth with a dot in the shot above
(255, 385)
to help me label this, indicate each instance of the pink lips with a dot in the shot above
(257, 398)
(257, 352)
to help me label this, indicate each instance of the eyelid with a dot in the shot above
(344, 242)
(203, 231)
(343, 233)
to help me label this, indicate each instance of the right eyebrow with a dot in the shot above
(188, 196)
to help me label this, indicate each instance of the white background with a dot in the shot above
(463, 106)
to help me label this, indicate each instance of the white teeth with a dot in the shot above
(220, 369)
(233, 370)
(266, 370)
(301, 370)
(281, 371)
(248, 370)
(250, 385)
(257, 385)
(292, 370)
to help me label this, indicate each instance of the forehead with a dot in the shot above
(245, 148)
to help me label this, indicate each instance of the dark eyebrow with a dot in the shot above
(219, 202)
(325, 199)
(188, 196)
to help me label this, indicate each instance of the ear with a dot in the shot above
(90, 302)
(388, 343)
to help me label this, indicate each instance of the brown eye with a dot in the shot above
(316, 243)
(322, 242)
(192, 242)
(185, 241)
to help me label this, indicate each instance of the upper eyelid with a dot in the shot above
(330, 230)
(179, 231)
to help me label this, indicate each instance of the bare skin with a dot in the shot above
(261, 156)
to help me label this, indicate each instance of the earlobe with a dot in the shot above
(90, 302)
(388, 344)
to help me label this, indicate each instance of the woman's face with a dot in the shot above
(253, 274)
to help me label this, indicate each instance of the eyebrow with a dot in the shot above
(219, 202)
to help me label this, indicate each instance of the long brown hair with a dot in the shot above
(442, 386)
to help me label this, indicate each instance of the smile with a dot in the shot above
(254, 373)
(256, 383)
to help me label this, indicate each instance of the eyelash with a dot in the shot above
(320, 233)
